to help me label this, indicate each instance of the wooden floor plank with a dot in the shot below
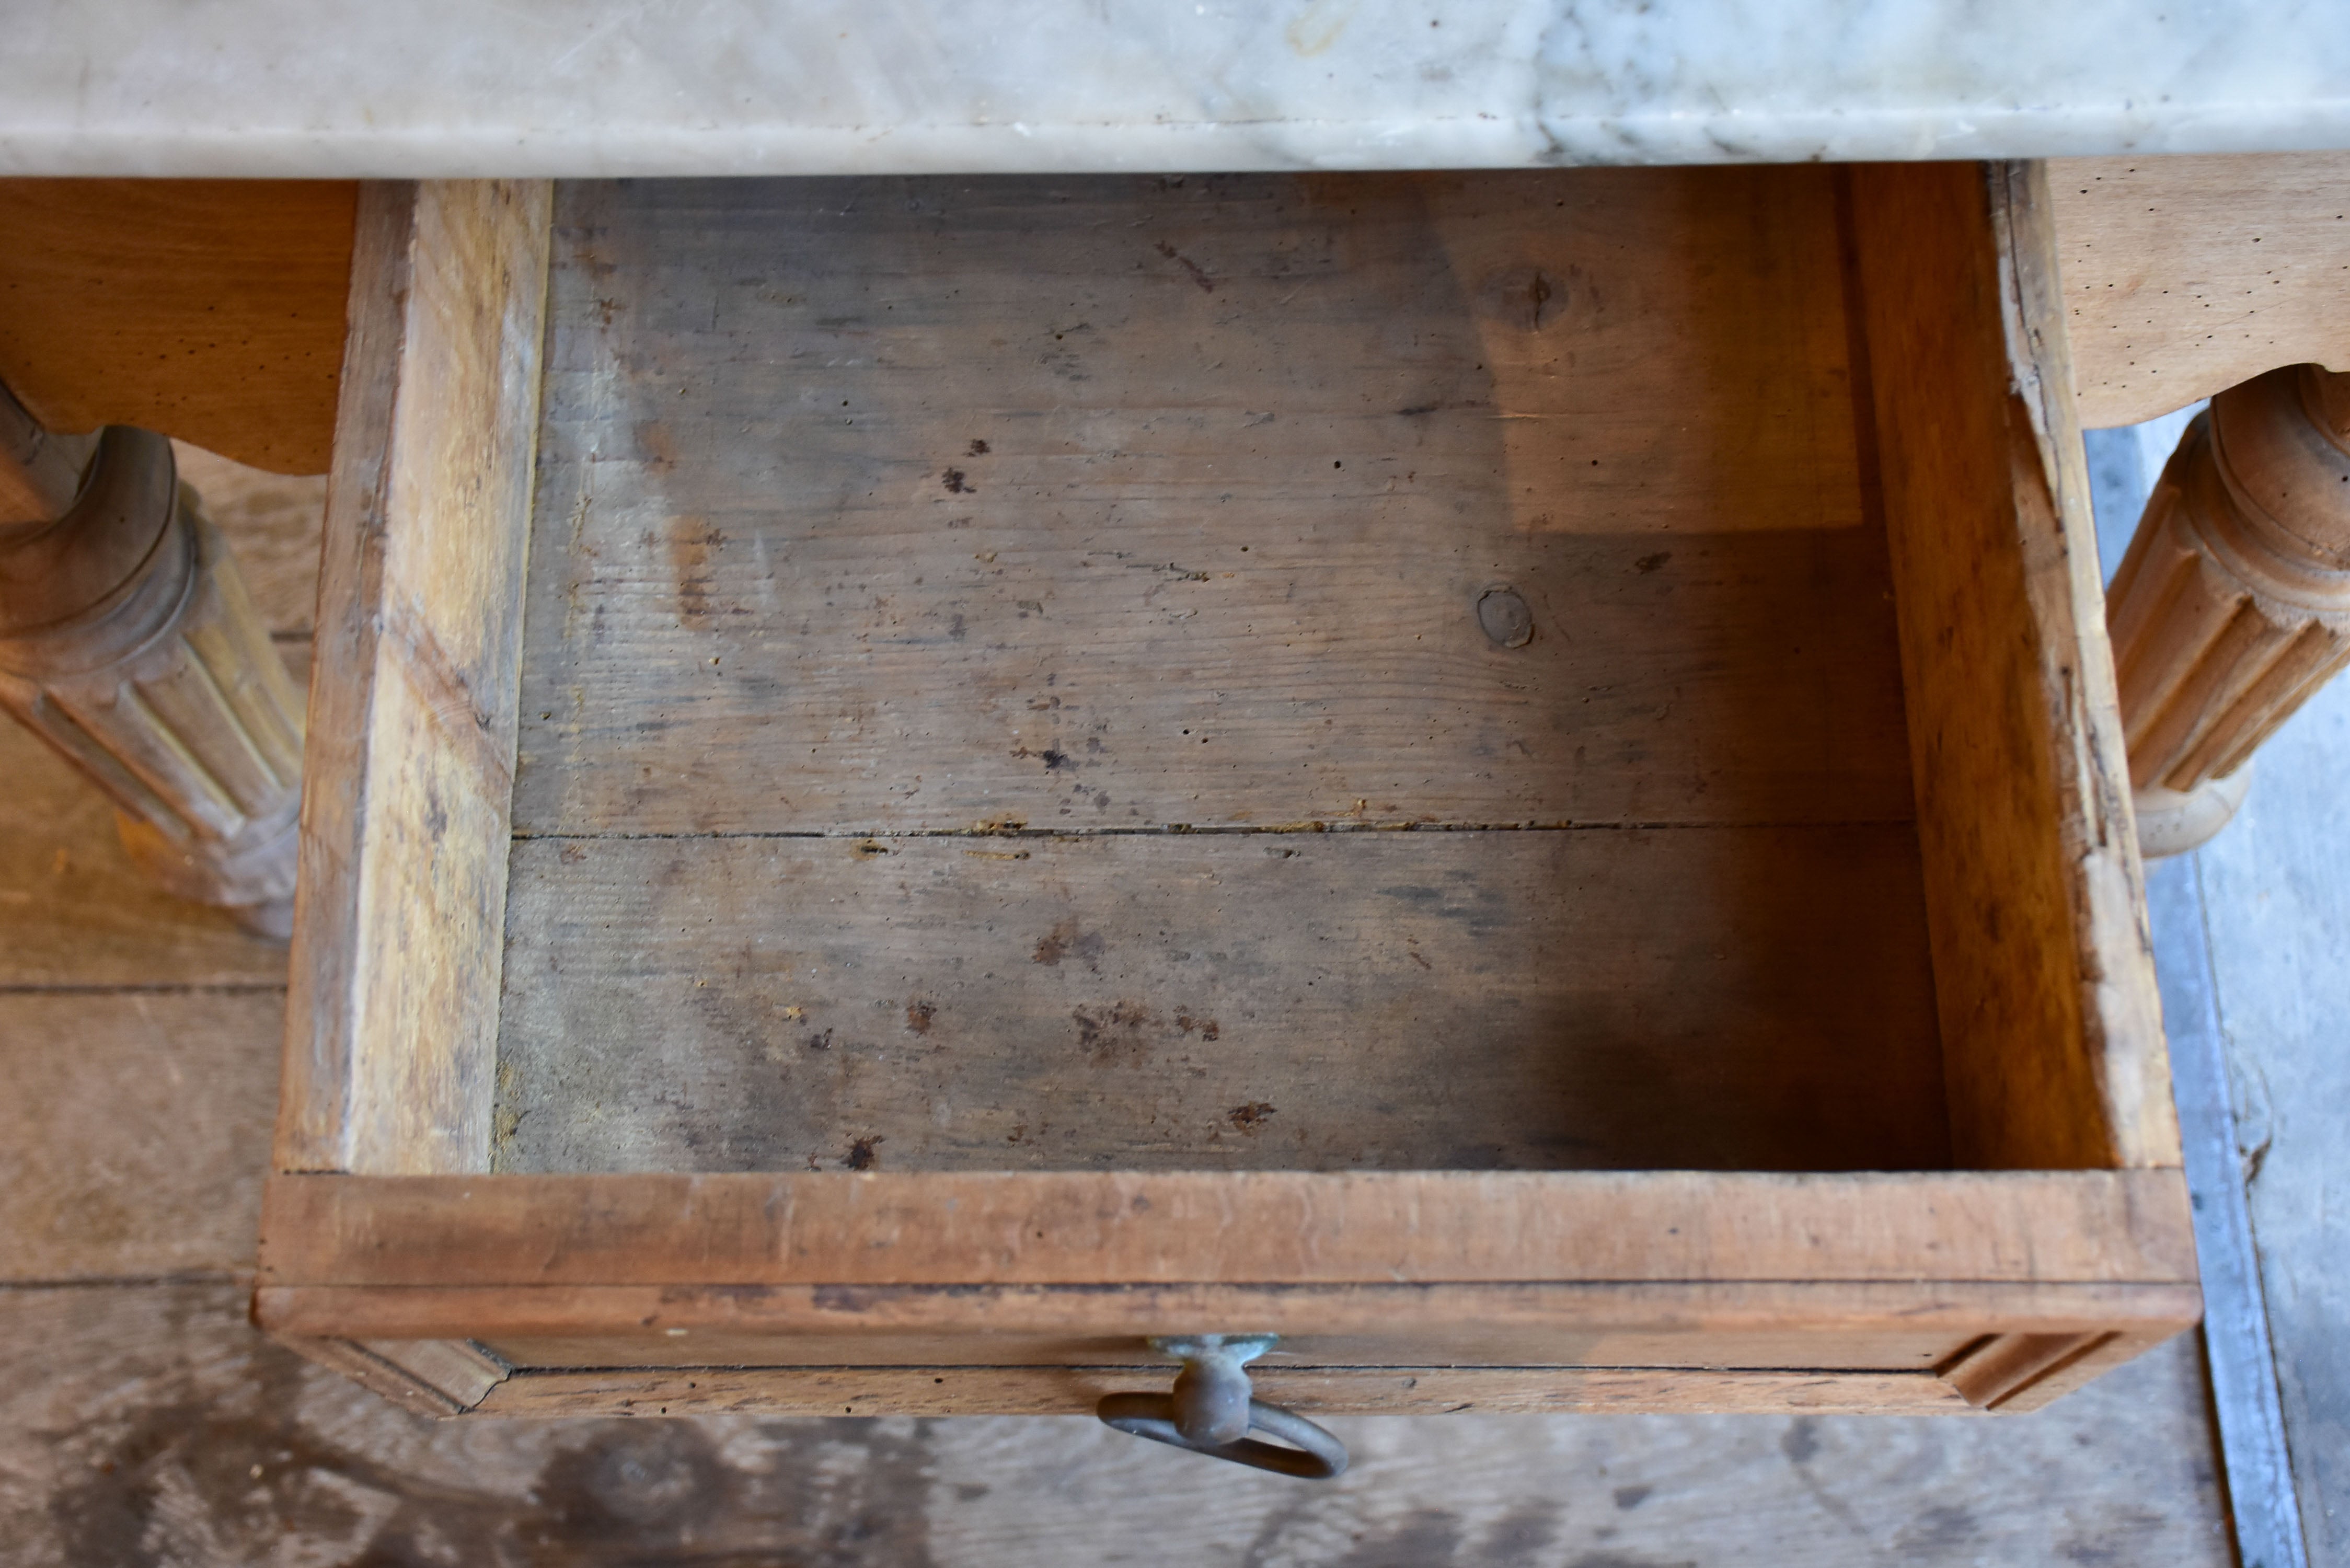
(1751, 999)
(152, 1427)
(128, 1129)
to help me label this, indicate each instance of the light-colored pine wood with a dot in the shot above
(272, 522)
(1532, 1325)
(1315, 1001)
(2016, 1374)
(116, 1397)
(2185, 275)
(74, 910)
(128, 643)
(208, 309)
(391, 1024)
(901, 506)
(1913, 1323)
(2051, 1029)
(684, 421)
(1258, 1227)
(1311, 1390)
(2232, 607)
(1208, 551)
(425, 1377)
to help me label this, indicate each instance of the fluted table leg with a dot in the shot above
(2234, 603)
(128, 643)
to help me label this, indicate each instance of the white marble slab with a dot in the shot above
(678, 87)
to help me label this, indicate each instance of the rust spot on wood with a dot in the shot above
(1207, 1028)
(919, 1015)
(1105, 1034)
(1066, 940)
(1250, 1117)
(860, 1153)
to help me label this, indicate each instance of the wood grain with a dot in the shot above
(209, 309)
(424, 1377)
(2016, 1374)
(1525, 1326)
(133, 648)
(1908, 1324)
(1312, 1390)
(908, 506)
(273, 522)
(127, 1126)
(1261, 1227)
(392, 1025)
(76, 913)
(2050, 1027)
(2231, 609)
(1722, 999)
(2185, 275)
(1918, 1327)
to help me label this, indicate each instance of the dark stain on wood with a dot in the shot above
(1199, 275)
(1067, 941)
(1673, 916)
(1529, 1001)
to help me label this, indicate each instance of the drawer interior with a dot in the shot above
(1219, 673)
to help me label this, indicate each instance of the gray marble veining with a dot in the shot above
(678, 87)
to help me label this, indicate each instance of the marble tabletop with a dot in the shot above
(567, 88)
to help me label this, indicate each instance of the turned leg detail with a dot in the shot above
(128, 643)
(2234, 603)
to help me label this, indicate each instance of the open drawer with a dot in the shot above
(1512, 778)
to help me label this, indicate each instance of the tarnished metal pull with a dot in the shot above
(1210, 1411)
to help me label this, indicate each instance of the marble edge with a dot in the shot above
(1479, 142)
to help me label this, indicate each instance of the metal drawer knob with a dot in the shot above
(1210, 1411)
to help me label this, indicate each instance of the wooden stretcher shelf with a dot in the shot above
(1511, 776)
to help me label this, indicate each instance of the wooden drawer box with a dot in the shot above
(1510, 776)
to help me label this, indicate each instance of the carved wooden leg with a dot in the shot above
(128, 643)
(2234, 603)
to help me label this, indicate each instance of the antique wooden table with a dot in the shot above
(915, 780)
